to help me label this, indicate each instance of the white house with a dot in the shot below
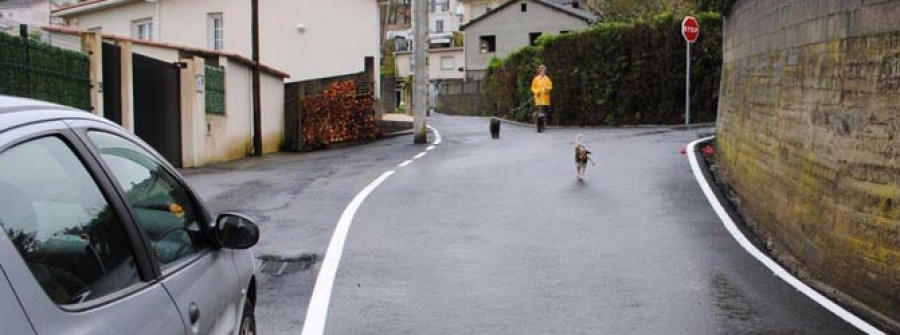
(443, 19)
(308, 39)
(443, 63)
(30, 12)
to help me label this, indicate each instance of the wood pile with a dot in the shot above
(344, 113)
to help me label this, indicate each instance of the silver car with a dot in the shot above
(102, 236)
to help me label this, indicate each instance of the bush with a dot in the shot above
(615, 74)
(40, 71)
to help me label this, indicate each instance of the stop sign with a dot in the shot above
(690, 29)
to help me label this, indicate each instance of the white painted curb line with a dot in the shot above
(768, 262)
(319, 302)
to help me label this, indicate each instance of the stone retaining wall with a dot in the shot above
(809, 135)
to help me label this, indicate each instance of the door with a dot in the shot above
(157, 106)
(68, 246)
(12, 317)
(202, 280)
(112, 83)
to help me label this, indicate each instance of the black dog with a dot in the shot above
(495, 128)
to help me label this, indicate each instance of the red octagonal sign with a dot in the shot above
(690, 29)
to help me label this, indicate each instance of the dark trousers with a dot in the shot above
(544, 110)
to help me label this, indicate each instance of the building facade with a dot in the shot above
(308, 39)
(514, 25)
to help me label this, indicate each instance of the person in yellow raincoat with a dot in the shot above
(541, 87)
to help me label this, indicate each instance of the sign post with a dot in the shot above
(690, 29)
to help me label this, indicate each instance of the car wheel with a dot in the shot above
(248, 319)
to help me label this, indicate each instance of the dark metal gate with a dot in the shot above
(112, 82)
(157, 106)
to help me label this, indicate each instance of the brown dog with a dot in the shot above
(582, 157)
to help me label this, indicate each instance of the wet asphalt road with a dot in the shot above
(487, 236)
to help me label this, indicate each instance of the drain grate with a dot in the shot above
(279, 266)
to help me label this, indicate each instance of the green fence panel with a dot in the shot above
(37, 70)
(215, 90)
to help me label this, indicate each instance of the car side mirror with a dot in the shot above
(236, 231)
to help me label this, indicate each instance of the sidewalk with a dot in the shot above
(396, 117)
(396, 124)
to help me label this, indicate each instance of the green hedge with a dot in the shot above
(615, 74)
(44, 72)
(215, 90)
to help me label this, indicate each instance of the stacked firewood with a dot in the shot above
(344, 113)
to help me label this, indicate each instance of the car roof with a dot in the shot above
(16, 111)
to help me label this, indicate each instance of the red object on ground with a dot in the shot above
(708, 151)
(690, 29)
(683, 151)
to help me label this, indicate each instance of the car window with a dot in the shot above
(163, 208)
(61, 224)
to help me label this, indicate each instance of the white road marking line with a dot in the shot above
(437, 135)
(317, 313)
(430, 147)
(768, 262)
(321, 295)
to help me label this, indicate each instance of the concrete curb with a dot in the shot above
(398, 133)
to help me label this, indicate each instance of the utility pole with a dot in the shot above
(420, 77)
(257, 113)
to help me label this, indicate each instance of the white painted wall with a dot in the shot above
(38, 13)
(435, 72)
(272, 113)
(115, 20)
(338, 36)
(403, 61)
(449, 17)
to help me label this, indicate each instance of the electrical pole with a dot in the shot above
(420, 77)
(257, 113)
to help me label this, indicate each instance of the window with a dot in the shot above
(214, 34)
(448, 63)
(488, 44)
(61, 224)
(445, 5)
(163, 207)
(142, 29)
(533, 37)
(439, 26)
(524, 7)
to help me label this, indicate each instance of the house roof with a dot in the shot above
(577, 13)
(189, 49)
(87, 5)
(20, 3)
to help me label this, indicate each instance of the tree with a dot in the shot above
(631, 10)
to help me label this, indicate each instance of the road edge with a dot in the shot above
(776, 268)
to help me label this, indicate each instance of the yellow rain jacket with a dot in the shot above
(541, 87)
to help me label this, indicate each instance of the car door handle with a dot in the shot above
(193, 313)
